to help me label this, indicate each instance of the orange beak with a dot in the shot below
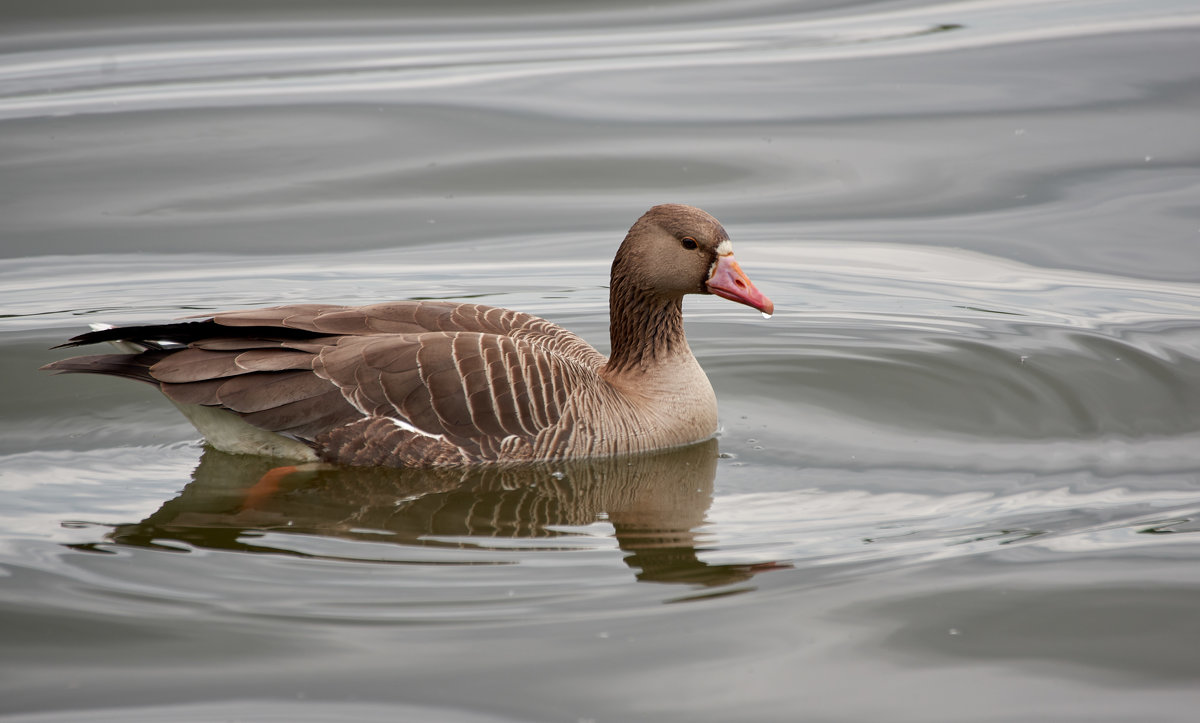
(730, 282)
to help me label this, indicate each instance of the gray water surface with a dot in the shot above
(958, 473)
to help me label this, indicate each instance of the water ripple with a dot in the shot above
(139, 74)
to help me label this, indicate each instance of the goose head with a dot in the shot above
(673, 250)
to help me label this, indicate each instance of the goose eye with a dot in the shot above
(688, 242)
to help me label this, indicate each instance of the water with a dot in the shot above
(958, 473)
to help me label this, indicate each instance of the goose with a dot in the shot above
(439, 383)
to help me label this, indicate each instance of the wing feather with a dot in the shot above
(307, 418)
(257, 392)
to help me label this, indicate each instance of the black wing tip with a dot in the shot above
(85, 338)
(115, 333)
(148, 336)
(160, 336)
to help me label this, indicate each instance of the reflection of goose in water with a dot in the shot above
(655, 502)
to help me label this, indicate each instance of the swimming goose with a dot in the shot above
(433, 383)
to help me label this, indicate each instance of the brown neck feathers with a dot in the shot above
(644, 327)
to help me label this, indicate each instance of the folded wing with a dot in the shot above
(399, 383)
